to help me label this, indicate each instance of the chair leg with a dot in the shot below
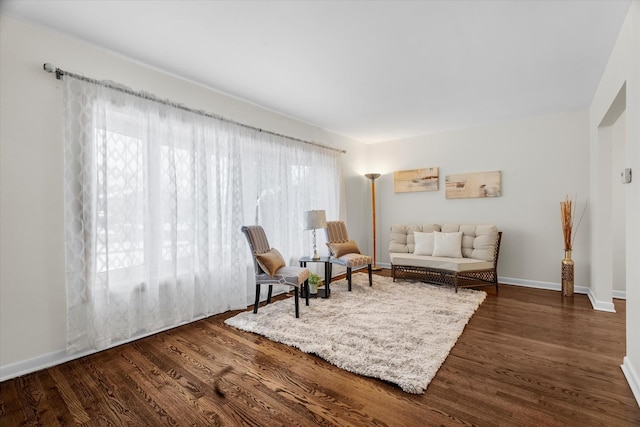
(255, 305)
(295, 293)
(370, 275)
(269, 294)
(349, 277)
(305, 287)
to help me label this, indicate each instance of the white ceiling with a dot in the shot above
(369, 70)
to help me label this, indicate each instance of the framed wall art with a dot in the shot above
(473, 185)
(415, 180)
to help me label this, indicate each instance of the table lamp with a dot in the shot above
(312, 221)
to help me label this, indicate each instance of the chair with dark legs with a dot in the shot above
(345, 252)
(271, 269)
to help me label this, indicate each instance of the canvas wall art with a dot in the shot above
(473, 185)
(415, 180)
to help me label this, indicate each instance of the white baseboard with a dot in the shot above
(600, 305)
(632, 378)
(28, 366)
(597, 305)
(550, 286)
(44, 361)
(620, 294)
(536, 284)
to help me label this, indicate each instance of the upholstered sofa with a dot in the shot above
(450, 254)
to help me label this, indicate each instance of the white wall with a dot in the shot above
(623, 70)
(542, 159)
(32, 287)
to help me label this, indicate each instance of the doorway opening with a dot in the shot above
(611, 207)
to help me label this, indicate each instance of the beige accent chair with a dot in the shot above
(263, 261)
(338, 239)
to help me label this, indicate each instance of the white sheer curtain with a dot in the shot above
(286, 179)
(154, 200)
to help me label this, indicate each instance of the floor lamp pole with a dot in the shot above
(372, 177)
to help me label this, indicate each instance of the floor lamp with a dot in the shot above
(372, 177)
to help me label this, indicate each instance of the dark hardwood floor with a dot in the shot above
(528, 357)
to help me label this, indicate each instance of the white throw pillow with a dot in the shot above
(447, 244)
(424, 243)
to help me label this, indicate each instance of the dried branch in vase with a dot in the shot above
(567, 212)
(566, 215)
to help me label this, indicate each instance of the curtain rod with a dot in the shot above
(59, 73)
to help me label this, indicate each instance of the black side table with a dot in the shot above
(327, 273)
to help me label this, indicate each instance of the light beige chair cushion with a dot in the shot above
(354, 260)
(287, 275)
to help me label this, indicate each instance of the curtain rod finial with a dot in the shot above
(51, 69)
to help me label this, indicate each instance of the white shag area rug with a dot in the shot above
(399, 332)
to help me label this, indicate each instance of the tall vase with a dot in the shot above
(567, 274)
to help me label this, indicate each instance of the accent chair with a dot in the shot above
(345, 252)
(271, 268)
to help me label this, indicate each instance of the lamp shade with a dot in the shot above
(315, 219)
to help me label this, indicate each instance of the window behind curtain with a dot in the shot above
(154, 200)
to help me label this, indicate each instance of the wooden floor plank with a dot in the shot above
(54, 400)
(528, 357)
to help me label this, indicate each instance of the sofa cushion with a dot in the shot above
(423, 243)
(447, 244)
(478, 241)
(443, 263)
(402, 239)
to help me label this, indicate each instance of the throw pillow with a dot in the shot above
(270, 261)
(424, 243)
(447, 244)
(340, 249)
